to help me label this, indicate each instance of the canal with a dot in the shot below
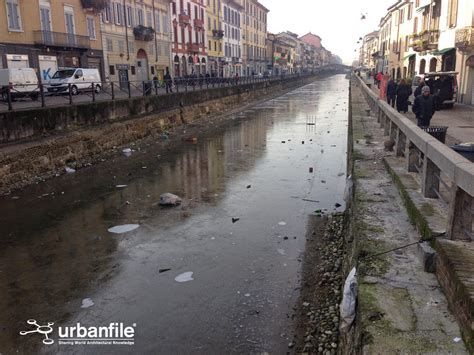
(248, 190)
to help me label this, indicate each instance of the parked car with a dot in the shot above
(23, 82)
(81, 79)
(443, 85)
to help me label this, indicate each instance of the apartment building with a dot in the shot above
(232, 38)
(254, 28)
(136, 39)
(189, 42)
(369, 50)
(48, 34)
(215, 35)
(284, 53)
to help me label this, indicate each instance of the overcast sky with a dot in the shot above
(337, 22)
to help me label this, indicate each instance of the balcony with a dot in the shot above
(464, 40)
(184, 20)
(426, 40)
(198, 24)
(143, 33)
(193, 47)
(59, 39)
(236, 60)
(217, 34)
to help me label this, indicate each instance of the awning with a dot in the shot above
(442, 51)
(422, 8)
(408, 56)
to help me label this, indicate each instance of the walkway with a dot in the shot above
(402, 309)
(459, 119)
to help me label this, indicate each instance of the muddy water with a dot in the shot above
(56, 251)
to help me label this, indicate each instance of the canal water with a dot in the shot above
(271, 168)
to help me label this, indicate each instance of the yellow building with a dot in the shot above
(215, 34)
(136, 40)
(254, 30)
(47, 34)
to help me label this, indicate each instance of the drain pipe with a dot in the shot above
(154, 25)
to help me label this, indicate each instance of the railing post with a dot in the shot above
(400, 143)
(430, 179)
(112, 90)
(70, 93)
(129, 90)
(393, 130)
(93, 92)
(460, 215)
(411, 157)
(9, 98)
(41, 87)
(387, 126)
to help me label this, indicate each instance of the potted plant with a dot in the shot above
(143, 33)
(94, 5)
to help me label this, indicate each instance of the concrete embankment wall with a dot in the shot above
(83, 133)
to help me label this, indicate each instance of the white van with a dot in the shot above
(22, 82)
(79, 78)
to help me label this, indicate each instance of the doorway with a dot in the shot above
(123, 78)
(142, 65)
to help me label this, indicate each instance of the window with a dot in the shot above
(415, 25)
(452, 13)
(130, 20)
(91, 27)
(132, 70)
(111, 70)
(152, 70)
(166, 28)
(118, 13)
(140, 17)
(69, 21)
(149, 21)
(121, 46)
(109, 44)
(158, 22)
(13, 14)
(410, 11)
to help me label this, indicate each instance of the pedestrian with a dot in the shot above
(155, 82)
(236, 78)
(419, 88)
(168, 81)
(403, 93)
(391, 92)
(424, 107)
(379, 77)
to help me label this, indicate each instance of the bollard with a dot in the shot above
(43, 103)
(93, 92)
(70, 93)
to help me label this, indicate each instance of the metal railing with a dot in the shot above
(444, 174)
(31, 96)
(61, 39)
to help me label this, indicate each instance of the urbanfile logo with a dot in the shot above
(112, 334)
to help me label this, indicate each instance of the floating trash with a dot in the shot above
(281, 251)
(120, 186)
(282, 223)
(127, 152)
(123, 228)
(87, 302)
(168, 199)
(70, 170)
(184, 277)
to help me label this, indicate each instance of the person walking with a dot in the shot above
(419, 88)
(168, 81)
(391, 92)
(403, 93)
(424, 107)
(379, 77)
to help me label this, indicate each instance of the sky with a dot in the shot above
(337, 22)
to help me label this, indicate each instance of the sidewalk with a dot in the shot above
(459, 119)
(401, 309)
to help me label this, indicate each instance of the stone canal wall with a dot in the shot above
(78, 135)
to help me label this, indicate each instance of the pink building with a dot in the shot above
(189, 37)
(312, 40)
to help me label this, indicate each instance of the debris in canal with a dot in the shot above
(127, 152)
(234, 219)
(341, 174)
(123, 228)
(310, 170)
(184, 277)
(87, 302)
(337, 205)
(281, 251)
(169, 199)
(163, 270)
(120, 186)
(249, 186)
(69, 170)
(283, 141)
(282, 223)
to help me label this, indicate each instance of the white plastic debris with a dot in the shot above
(349, 298)
(87, 302)
(120, 186)
(127, 152)
(281, 252)
(282, 223)
(184, 277)
(123, 228)
(457, 340)
(247, 295)
(168, 199)
(69, 170)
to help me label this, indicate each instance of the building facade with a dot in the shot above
(136, 39)
(232, 40)
(215, 35)
(189, 42)
(49, 34)
(254, 34)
